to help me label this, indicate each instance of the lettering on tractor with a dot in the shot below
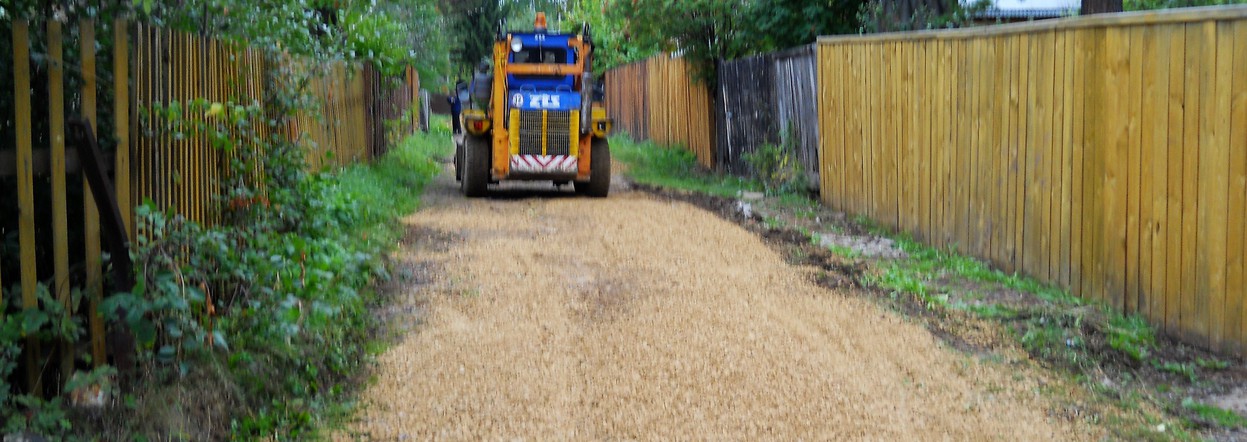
(539, 119)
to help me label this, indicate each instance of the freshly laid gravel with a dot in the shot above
(634, 318)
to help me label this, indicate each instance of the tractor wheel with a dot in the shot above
(599, 184)
(475, 180)
(459, 160)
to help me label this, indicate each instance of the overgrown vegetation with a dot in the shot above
(776, 165)
(674, 167)
(250, 327)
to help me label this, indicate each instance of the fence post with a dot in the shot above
(25, 189)
(60, 225)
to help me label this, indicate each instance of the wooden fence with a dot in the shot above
(154, 66)
(627, 99)
(659, 100)
(1104, 154)
(760, 99)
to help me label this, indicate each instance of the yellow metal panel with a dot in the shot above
(574, 139)
(514, 137)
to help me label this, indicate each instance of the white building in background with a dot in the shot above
(1022, 10)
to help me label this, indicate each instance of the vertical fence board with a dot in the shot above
(1236, 265)
(1065, 54)
(25, 186)
(1198, 46)
(1214, 160)
(1152, 176)
(56, 137)
(91, 211)
(1133, 187)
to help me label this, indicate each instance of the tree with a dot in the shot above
(474, 24)
(1100, 6)
(910, 15)
(702, 30)
(781, 24)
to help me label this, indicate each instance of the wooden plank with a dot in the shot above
(961, 143)
(1236, 255)
(1038, 204)
(56, 138)
(1079, 55)
(1020, 158)
(1057, 162)
(948, 117)
(121, 122)
(999, 100)
(1093, 159)
(976, 148)
(1214, 168)
(1006, 63)
(926, 87)
(1173, 201)
(1155, 125)
(25, 188)
(1117, 47)
(91, 213)
(1130, 176)
(1011, 141)
(1068, 58)
(1133, 165)
(1199, 47)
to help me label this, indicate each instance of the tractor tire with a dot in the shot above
(599, 184)
(459, 160)
(475, 180)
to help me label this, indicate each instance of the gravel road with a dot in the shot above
(546, 316)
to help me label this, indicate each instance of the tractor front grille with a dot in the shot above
(530, 132)
(536, 132)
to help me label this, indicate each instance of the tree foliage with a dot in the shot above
(912, 15)
(1138, 5)
(474, 24)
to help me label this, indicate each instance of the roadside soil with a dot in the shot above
(538, 314)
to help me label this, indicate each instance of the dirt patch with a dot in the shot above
(1173, 373)
(636, 317)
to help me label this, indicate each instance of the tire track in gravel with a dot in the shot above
(635, 318)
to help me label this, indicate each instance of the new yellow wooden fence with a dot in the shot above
(660, 97)
(1103, 154)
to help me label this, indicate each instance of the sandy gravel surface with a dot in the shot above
(557, 318)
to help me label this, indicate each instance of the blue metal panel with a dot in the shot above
(543, 100)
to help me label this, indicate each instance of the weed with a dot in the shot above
(1212, 364)
(1130, 335)
(1215, 415)
(1181, 369)
(674, 167)
(990, 311)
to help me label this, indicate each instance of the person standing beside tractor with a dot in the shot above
(455, 99)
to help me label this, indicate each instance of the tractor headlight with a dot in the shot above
(516, 45)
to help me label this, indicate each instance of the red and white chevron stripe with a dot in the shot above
(543, 163)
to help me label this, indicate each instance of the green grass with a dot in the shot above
(674, 168)
(391, 186)
(1219, 416)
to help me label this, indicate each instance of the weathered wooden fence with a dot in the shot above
(357, 109)
(659, 100)
(766, 99)
(1104, 154)
(627, 99)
